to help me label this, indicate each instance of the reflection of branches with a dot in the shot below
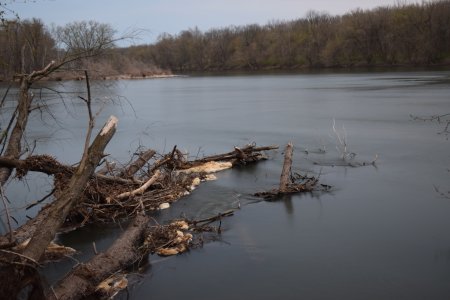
(442, 193)
(440, 119)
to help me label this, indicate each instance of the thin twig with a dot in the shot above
(21, 255)
(4, 96)
(6, 131)
(91, 118)
(11, 237)
(42, 200)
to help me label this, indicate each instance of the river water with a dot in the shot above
(382, 232)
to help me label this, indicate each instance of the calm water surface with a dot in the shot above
(381, 233)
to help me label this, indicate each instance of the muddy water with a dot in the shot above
(381, 233)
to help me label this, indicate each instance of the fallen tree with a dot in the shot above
(83, 280)
(107, 198)
(18, 265)
(106, 273)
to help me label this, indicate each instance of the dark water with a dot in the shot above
(381, 233)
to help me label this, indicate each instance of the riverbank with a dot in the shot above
(78, 76)
(66, 76)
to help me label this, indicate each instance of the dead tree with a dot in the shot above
(71, 193)
(286, 172)
(99, 39)
(55, 217)
(13, 149)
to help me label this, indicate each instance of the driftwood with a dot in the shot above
(88, 279)
(125, 251)
(140, 190)
(248, 154)
(289, 183)
(68, 197)
(18, 269)
(138, 163)
(99, 197)
(287, 165)
(93, 204)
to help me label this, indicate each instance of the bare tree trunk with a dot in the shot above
(16, 270)
(125, 251)
(13, 150)
(249, 153)
(71, 193)
(286, 172)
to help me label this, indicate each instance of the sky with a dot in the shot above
(154, 17)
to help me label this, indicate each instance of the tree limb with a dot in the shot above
(83, 280)
(71, 193)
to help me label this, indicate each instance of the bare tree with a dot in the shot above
(81, 40)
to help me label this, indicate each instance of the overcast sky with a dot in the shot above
(172, 16)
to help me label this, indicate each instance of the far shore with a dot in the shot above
(77, 77)
(68, 77)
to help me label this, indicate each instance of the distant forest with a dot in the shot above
(404, 34)
(29, 45)
(417, 34)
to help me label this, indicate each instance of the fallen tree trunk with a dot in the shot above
(36, 163)
(50, 166)
(93, 205)
(69, 196)
(236, 155)
(15, 267)
(83, 280)
(287, 165)
(140, 190)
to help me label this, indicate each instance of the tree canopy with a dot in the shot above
(413, 34)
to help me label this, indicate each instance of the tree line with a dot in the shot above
(404, 34)
(28, 45)
(414, 34)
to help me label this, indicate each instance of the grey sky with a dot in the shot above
(172, 16)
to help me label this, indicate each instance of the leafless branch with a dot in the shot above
(440, 119)
(4, 134)
(8, 217)
(4, 96)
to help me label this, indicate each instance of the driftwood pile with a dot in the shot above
(120, 193)
(149, 182)
(114, 193)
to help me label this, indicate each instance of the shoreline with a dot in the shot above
(106, 77)
(354, 69)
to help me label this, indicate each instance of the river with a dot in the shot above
(382, 232)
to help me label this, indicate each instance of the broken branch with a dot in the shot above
(140, 190)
